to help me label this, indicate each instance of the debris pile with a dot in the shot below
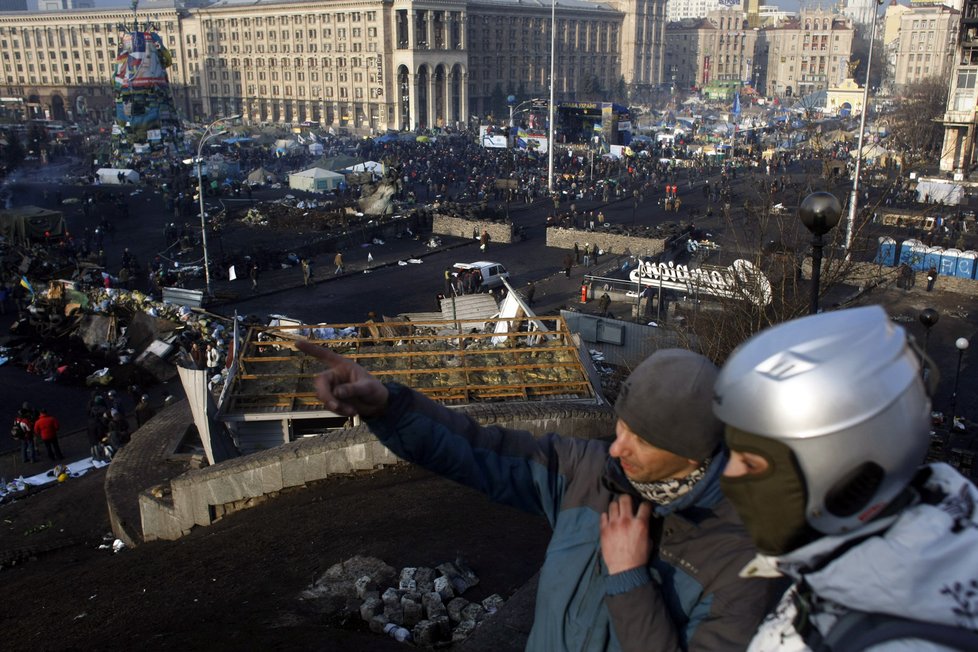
(419, 605)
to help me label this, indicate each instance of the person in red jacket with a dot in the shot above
(46, 427)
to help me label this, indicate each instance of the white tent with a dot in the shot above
(315, 180)
(111, 176)
(368, 166)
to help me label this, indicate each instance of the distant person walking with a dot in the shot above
(46, 427)
(338, 262)
(23, 431)
(253, 275)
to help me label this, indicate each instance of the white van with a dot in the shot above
(492, 273)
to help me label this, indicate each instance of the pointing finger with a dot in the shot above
(320, 352)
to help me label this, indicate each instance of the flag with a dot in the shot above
(26, 284)
(736, 104)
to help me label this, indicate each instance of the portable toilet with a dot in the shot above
(949, 262)
(932, 257)
(966, 264)
(912, 253)
(886, 253)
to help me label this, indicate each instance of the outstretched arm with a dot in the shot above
(345, 387)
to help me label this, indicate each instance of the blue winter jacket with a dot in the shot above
(689, 597)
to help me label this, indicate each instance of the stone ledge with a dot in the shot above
(198, 497)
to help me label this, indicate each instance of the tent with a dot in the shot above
(261, 176)
(368, 166)
(21, 225)
(110, 176)
(315, 180)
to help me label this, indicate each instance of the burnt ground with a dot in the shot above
(236, 583)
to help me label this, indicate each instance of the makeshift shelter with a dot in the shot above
(21, 225)
(116, 176)
(261, 176)
(373, 167)
(315, 180)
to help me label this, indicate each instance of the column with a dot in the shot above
(412, 26)
(431, 100)
(463, 99)
(429, 28)
(412, 101)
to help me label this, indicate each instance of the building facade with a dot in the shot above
(806, 54)
(694, 9)
(716, 52)
(366, 65)
(926, 43)
(958, 151)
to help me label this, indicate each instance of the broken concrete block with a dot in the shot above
(425, 578)
(371, 594)
(493, 603)
(364, 585)
(424, 633)
(433, 606)
(408, 572)
(412, 612)
(463, 630)
(377, 624)
(443, 587)
(455, 607)
(407, 585)
(394, 613)
(443, 627)
(370, 608)
(473, 611)
(462, 579)
(391, 597)
(335, 593)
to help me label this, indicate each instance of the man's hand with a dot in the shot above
(624, 536)
(345, 387)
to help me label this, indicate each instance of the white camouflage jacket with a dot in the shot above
(920, 564)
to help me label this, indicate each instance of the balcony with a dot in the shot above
(959, 117)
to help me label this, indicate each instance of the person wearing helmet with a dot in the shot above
(828, 419)
(645, 550)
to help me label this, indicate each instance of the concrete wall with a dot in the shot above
(461, 227)
(866, 275)
(610, 243)
(198, 497)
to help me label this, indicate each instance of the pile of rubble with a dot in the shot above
(420, 605)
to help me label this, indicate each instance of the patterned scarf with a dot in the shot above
(664, 492)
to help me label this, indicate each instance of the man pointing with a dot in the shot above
(662, 578)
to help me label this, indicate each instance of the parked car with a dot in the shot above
(492, 273)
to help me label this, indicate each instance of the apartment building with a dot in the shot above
(926, 43)
(716, 53)
(806, 54)
(958, 151)
(363, 64)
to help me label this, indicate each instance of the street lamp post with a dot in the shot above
(962, 344)
(819, 212)
(200, 194)
(854, 196)
(928, 317)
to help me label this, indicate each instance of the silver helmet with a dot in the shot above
(843, 391)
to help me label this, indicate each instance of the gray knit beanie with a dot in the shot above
(668, 401)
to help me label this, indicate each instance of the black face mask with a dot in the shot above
(772, 503)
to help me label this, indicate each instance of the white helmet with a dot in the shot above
(843, 391)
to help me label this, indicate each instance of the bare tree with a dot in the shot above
(914, 128)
